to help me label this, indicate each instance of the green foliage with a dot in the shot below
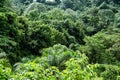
(2, 3)
(5, 69)
(8, 24)
(98, 47)
(40, 68)
(75, 4)
(108, 72)
(29, 70)
(42, 36)
(63, 21)
(65, 41)
(5, 4)
(36, 6)
(116, 1)
(7, 44)
(58, 55)
(97, 19)
(23, 1)
(80, 69)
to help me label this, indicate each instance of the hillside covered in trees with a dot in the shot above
(59, 40)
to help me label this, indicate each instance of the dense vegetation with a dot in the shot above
(60, 40)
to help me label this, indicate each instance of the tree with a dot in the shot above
(98, 48)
